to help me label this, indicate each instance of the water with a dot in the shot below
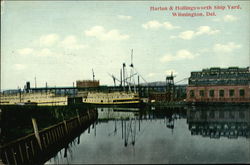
(185, 135)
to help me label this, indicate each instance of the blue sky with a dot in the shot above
(59, 42)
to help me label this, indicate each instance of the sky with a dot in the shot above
(59, 42)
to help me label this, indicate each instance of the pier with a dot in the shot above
(40, 145)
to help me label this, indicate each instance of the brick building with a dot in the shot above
(87, 83)
(219, 85)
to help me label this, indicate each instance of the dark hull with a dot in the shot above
(134, 105)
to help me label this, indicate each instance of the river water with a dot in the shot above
(162, 135)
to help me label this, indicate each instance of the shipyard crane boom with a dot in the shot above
(182, 80)
(116, 79)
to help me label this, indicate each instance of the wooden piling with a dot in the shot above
(21, 153)
(14, 155)
(36, 132)
(32, 147)
(6, 157)
(27, 149)
(65, 124)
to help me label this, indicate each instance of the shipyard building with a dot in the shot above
(87, 83)
(219, 85)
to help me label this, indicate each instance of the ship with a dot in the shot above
(34, 98)
(119, 98)
(112, 98)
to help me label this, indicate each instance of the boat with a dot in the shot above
(33, 98)
(112, 98)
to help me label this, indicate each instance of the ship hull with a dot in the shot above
(134, 105)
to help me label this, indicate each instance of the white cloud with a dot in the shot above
(152, 25)
(180, 55)
(151, 74)
(171, 71)
(156, 25)
(48, 40)
(19, 66)
(226, 18)
(102, 34)
(70, 42)
(25, 51)
(124, 17)
(190, 34)
(46, 52)
(187, 35)
(229, 18)
(226, 48)
(206, 30)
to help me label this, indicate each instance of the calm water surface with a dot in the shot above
(187, 135)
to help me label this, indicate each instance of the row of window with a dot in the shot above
(221, 93)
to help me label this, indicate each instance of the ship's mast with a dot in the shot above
(123, 67)
(93, 74)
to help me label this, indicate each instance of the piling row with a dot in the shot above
(29, 149)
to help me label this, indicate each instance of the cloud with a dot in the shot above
(156, 25)
(180, 55)
(229, 18)
(70, 42)
(226, 18)
(169, 72)
(190, 34)
(102, 34)
(25, 51)
(124, 17)
(46, 52)
(151, 74)
(226, 48)
(19, 66)
(187, 35)
(48, 40)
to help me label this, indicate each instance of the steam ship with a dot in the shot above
(113, 98)
(34, 98)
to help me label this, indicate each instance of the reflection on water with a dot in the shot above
(216, 123)
(183, 135)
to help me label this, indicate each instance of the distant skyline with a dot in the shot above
(59, 42)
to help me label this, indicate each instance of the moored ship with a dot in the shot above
(113, 98)
(33, 98)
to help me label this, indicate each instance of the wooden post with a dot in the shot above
(36, 132)
(27, 152)
(14, 155)
(21, 154)
(32, 147)
(78, 117)
(6, 156)
(88, 115)
(65, 124)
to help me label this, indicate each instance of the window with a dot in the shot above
(211, 115)
(242, 115)
(202, 93)
(221, 115)
(242, 92)
(231, 92)
(221, 93)
(211, 93)
(191, 93)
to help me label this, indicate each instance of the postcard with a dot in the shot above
(125, 82)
